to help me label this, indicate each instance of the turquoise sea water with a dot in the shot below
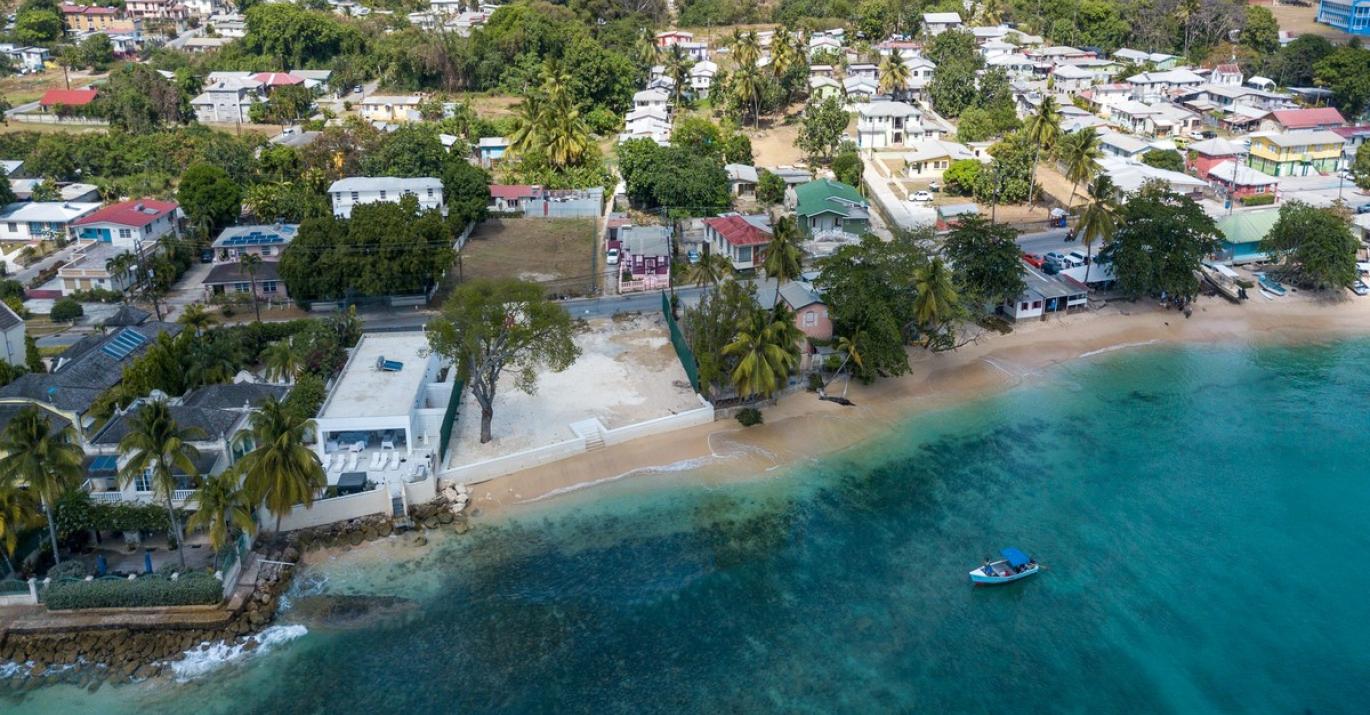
(1202, 512)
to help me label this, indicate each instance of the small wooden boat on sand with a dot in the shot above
(1270, 285)
(1014, 566)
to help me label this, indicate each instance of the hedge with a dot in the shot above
(1258, 200)
(194, 589)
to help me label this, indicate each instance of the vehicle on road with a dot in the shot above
(1033, 260)
(612, 256)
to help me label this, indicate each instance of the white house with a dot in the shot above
(823, 43)
(936, 23)
(36, 220)
(1071, 78)
(227, 98)
(863, 70)
(382, 421)
(860, 89)
(1017, 66)
(1154, 86)
(1123, 146)
(130, 224)
(702, 76)
(1129, 176)
(654, 124)
(388, 108)
(887, 124)
(929, 158)
(997, 48)
(355, 190)
(652, 99)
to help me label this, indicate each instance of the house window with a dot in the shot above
(810, 319)
(1036, 304)
(242, 287)
(143, 483)
(1023, 306)
(382, 194)
(266, 250)
(355, 196)
(268, 286)
(430, 193)
(125, 233)
(13, 227)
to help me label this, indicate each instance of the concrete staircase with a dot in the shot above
(591, 431)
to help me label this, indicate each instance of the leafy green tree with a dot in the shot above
(870, 292)
(159, 448)
(767, 350)
(222, 509)
(697, 134)
(1293, 65)
(412, 150)
(711, 324)
(986, 261)
(490, 326)
(848, 167)
(673, 177)
(1159, 243)
(937, 303)
(770, 188)
(466, 189)
(952, 88)
(288, 104)
(209, 197)
(138, 100)
(281, 471)
(7, 196)
(975, 125)
(1360, 167)
(600, 77)
(1346, 71)
(961, 177)
(96, 52)
(1010, 176)
(1167, 159)
(822, 129)
(42, 457)
(1043, 129)
(66, 310)
(16, 513)
(1262, 31)
(1315, 246)
(38, 26)
(894, 74)
(295, 37)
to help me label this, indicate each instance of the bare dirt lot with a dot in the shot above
(1298, 20)
(557, 253)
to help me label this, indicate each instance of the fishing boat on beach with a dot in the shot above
(1270, 285)
(1014, 566)
(1223, 280)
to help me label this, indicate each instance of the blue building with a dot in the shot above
(1350, 16)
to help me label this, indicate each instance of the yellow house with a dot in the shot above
(1296, 153)
(391, 108)
(91, 18)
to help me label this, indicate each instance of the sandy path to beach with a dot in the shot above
(803, 427)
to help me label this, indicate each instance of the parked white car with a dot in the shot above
(612, 257)
(922, 196)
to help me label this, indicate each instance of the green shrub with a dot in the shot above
(191, 589)
(749, 416)
(815, 382)
(1258, 200)
(68, 569)
(66, 310)
(97, 295)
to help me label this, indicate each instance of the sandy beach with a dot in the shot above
(802, 427)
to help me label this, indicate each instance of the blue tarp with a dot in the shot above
(1015, 557)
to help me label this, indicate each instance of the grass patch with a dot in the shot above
(556, 253)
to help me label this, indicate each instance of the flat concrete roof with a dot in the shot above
(364, 391)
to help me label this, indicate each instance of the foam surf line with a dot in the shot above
(683, 465)
(1115, 348)
(209, 657)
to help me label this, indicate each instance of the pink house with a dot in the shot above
(810, 312)
(1205, 155)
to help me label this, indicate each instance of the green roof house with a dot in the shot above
(825, 205)
(1242, 234)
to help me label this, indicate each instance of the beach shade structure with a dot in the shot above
(147, 562)
(1015, 557)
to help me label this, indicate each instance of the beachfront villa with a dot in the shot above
(382, 420)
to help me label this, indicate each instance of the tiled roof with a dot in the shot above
(233, 396)
(130, 213)
(1308, 118)
(513, 191)
(67, 97)
(736, 231)
(277, 79)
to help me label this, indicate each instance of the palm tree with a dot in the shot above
(281, 471)
(157, 447)
(1100, 218)
(282, 360)
(16, 512)
(1079, 153)
(222, 508)
(894, 74)
(784, 259)
(746, 48)
(1043, 129)
(991, 12)
(248, 263)
(784, 53)
(711, 269)
(527, 134)
(648, 54)
(195, 316)
(767, 345)
(935, 304)
(47, 460)
(851, 353)
(121, 265)
(678, 66)
(747, 88)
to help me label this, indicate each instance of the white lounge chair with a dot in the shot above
(337, 466)
(376, 460)
(394, 461)
(352, 462)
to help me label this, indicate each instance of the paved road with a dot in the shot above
(1046, 242)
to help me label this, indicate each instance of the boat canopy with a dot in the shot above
(1015, 557)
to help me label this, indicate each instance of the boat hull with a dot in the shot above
(979, 577)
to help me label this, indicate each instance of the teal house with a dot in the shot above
(827, 206)
(1243, 232)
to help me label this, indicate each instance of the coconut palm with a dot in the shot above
(1100, 218)
(1043, 129)
(850, 354)
(747, 87)
(157, 447)
(46, 460)
(195, 317)
(16, 512)
(894, 74)
(222, 508)
(282, 360)
(746, 48)
(678, 65)
(1079, 153)
(767, 348)
(121, 265)
(527, 132)
(281, 472)
(935, 303)
(784, 259)
(785, 54)
(648, 54)
(711, 269)
(991, 12)
(248, 263)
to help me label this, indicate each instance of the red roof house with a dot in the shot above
(512, 197)
(67, 97)
(1313, 118)
(737, 238)
(129, 222)
(277, 79)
